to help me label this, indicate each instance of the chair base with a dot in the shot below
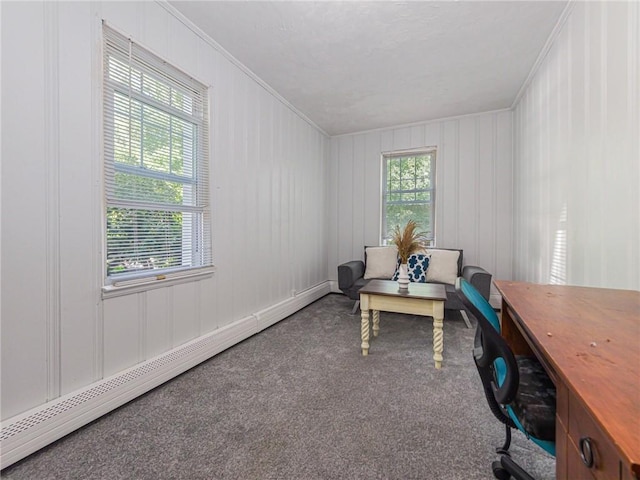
(499, 471)
(511, 468)
(504, 467)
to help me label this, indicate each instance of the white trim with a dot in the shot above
(410, 151)
(204, 36)
(135, 285)
(99, 206)
(52, 191)
(541, 56)
(384, 192)
(124, 56)
(277, 312)
(424, 122)
(545, 50)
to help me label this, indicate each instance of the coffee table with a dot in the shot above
(420, 299)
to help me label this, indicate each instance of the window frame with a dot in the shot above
(196, 235)
(399, 154)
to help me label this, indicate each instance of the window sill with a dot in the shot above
(160, 281)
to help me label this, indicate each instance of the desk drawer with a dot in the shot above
(606, 462)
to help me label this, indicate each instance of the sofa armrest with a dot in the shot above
(349, 272)
(479, 278)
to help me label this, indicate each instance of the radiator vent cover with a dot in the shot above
(25, 433)
(103, 388)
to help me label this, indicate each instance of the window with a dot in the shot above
(408, 191)
(156, 155)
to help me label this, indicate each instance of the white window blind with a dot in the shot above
(156, 160)
(408, 191)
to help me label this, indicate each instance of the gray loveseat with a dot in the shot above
(351, 280)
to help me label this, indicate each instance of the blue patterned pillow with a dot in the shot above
(417, 265)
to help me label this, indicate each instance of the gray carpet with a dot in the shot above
(299, 401)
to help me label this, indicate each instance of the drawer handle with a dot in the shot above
(586, 452)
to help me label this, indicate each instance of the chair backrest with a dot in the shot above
(473, 299)
(500, 375)
(493, 357)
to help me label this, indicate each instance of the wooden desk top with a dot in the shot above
(591, 338)
(430, 291)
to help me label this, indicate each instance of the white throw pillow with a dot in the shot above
(381, 262)
(443, 266)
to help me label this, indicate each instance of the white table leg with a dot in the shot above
(376, 322)
(364, 323)
(438, 333)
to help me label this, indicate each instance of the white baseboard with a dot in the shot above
(299, 300)
(30, 431)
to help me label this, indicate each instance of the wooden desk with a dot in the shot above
(420, 299)
(588, 340)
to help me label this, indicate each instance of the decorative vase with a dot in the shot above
(403, 277)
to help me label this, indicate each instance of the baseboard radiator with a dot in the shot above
(32, 430)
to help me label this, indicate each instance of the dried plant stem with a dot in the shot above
(408, 240)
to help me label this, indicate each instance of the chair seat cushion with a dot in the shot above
(535, 402)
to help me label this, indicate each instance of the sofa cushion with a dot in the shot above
(417, 267)
(381, 262)
(443, 266)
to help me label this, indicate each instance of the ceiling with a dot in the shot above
(361, 65)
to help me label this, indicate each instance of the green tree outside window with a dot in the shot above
(408, 191)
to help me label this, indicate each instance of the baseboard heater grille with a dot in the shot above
(32, 430)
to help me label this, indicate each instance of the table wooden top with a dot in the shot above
(425, 291)
(591, 338)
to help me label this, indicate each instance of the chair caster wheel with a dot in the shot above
(499, 471)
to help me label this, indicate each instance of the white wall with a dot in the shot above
(473, 188)
(290, 205)
(269, 170)
(577, 155)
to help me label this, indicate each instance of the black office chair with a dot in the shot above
(519, 392)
